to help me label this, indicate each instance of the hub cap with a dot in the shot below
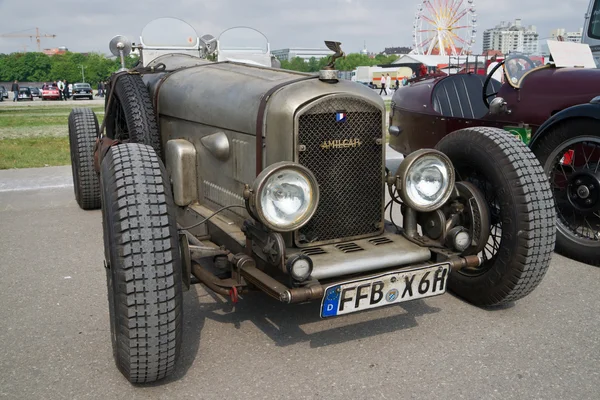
(584, 190)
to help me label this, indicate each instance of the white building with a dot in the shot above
(511, 37)
(304, 53)
(567, 36)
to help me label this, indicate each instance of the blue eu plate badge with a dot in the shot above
(340, 116)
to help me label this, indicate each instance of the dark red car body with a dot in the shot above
(542, 93)
(555, 111)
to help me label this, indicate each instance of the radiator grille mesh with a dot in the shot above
(338, 143)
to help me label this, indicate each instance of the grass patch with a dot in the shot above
(40, 109)
(28, 118)
(34, 152)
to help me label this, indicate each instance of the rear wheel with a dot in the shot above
(522, 219)
(143, 263)
(570, 155)
(131, 114)
(83, 131)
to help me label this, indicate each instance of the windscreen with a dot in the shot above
(243, 39)
(244, 45)
(594, 28)
(169, 32)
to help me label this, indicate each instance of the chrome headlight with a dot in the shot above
(425, 180)
(284, 197)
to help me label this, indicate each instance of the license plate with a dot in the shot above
(382, 290)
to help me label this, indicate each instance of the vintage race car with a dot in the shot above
(50, 93)
(245, 177)
(555, 110)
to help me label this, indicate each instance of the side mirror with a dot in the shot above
(499, 106)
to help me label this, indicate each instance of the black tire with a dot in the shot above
(578, 230)
(521, 213)
(83, 131)
(131, 114)
(143, 263)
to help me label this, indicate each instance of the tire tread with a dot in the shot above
(148, 293)
(532, 198)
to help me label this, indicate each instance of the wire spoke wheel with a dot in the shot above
(574, 171)
(445, 27)
(570, 154)
(491, 248)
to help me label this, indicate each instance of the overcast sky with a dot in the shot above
(88, 25)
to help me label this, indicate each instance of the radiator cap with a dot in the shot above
(328, 75)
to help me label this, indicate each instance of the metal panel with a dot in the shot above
(181, 166)
(220, 195)
(220, 182)
(346, 155)
(397, 251)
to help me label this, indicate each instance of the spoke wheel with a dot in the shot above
(570, 154)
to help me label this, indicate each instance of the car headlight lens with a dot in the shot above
(285, 196)
(426, 180)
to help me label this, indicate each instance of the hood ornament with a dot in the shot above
(329, 73)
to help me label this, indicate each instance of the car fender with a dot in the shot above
(587, 110)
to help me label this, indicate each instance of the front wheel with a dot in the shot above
(143, 263)
(522, 218)
(570, 155)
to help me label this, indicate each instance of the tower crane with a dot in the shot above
(37, 36)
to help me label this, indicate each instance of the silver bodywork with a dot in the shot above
(209, 112)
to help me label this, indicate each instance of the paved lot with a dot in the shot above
(55, 344)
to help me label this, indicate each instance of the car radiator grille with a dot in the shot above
(338, 142)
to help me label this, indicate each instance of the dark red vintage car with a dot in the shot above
(556, 111)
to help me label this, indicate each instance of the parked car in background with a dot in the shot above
(50, 93)
(553, 108)
(82, 90)
(3, 92)
(24, 94)
(35, 91)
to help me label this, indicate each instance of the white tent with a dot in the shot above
(433, 61)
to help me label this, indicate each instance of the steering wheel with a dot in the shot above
(488, 79)
(487, 82)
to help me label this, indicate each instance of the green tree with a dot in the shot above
(349, 63)
(38, 67)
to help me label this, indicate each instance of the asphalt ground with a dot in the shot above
(55, 341)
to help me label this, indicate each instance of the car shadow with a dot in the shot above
(500, 307)
(283, 323)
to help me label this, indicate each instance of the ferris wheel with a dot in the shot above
(445, 27)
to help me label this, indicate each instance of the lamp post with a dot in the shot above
(82, 74)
